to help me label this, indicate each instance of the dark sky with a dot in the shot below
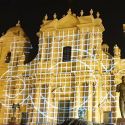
(31, 13)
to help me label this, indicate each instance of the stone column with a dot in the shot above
(36, 103)
(77, 98)
(95, 112)
(81, 39)
(113, 103)
(43, 47)
(49, 105)
(90, 95)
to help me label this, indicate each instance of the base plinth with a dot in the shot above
(120, 121)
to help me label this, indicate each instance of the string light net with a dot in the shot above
(71, 77)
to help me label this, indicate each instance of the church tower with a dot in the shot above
(69, 50)
(73, 75)
(13, 51)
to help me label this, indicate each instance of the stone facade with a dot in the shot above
(72, 76)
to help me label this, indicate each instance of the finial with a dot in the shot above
(81, 12)
(117, 51)
(116, 46)
(69, 12)
(74, 14)
(54, 16)
(91, 12)
(46, 17)
(98, 14)
(63, 15)
(18, 23)
(3, 34)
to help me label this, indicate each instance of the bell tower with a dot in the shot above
(12, 54)
(15, 33)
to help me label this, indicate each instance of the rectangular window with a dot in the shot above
(67, 54)
(8, 57)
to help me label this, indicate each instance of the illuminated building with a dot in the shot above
(72, 76)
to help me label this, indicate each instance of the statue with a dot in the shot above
(14, 107)
(121, 89)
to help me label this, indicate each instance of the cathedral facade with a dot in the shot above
(72, 76)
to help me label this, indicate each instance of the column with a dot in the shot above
(90, 96)
(36, 104)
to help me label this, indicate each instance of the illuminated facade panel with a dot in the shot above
(72, 76)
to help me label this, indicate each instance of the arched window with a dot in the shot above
(67, 54)
(8, 56)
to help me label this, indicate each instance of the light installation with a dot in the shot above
(71, 77)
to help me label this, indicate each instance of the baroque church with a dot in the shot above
(72, 76)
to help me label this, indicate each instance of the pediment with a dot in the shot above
(86, 19)
(50, 24)
(68, 21)
(71, 21)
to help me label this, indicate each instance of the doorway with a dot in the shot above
(63, 110)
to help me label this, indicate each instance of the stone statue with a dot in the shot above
(121, 89)
(14, 107)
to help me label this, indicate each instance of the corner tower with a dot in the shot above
(13, 51)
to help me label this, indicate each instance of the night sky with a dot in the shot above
(32, 12)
